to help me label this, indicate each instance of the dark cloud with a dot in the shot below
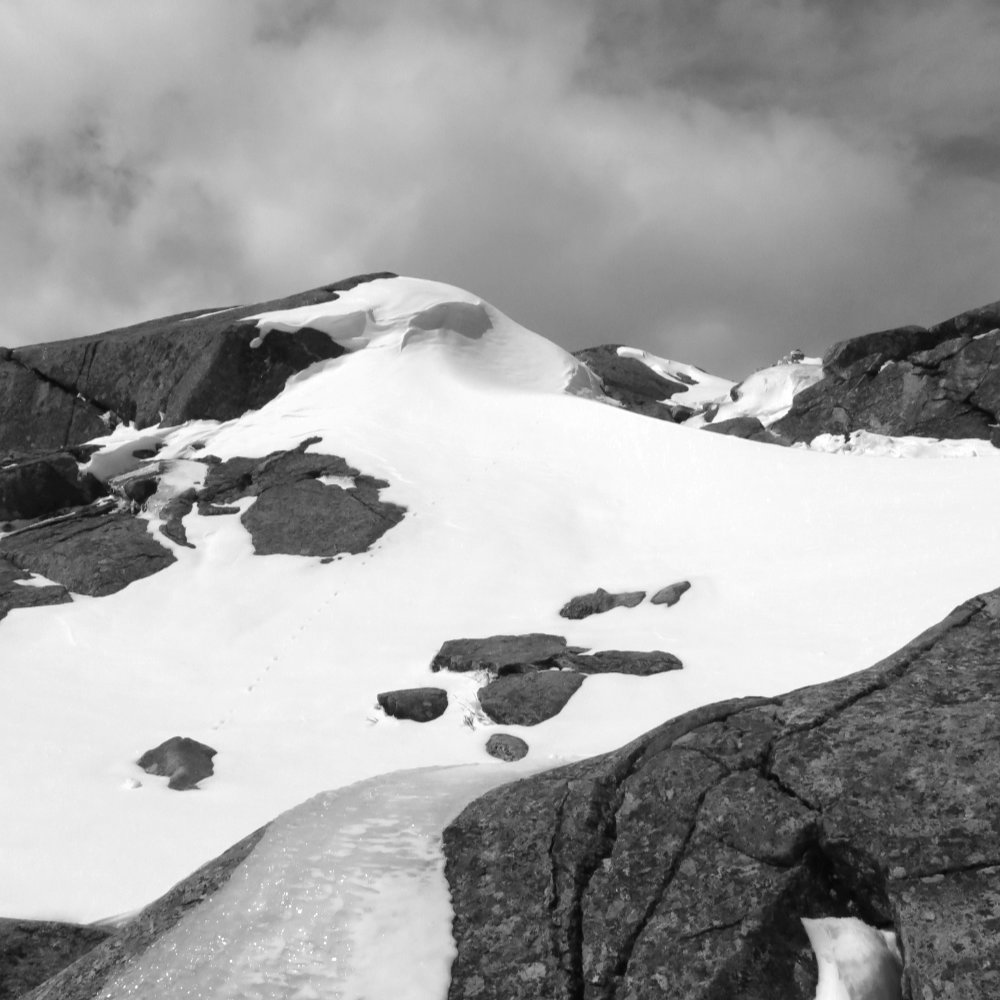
(714, 180)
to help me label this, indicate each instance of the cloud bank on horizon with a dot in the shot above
(713, 181)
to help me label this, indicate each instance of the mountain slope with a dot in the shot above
(521, 489)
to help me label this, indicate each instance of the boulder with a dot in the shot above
(671, 594)
(600, 601)
(527, 699)
(941, 382)
(506, 747)
(37, 487)
(32, 951)
(183, 760)
(93, 552)
(680, 865)
(495, 653)
(16, 595)
(173, 513)
(205, 364)
(621, 661)
(417, 704)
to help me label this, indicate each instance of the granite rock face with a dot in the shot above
(679, 866)
(96, 551)
(35, 487)
(189, 366)
(14, 594)
(633, 384)
(941, 382)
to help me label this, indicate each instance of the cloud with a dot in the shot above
(716, 181)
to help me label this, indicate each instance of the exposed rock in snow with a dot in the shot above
(942, 382)
(13, 593)
(183, 760)
(599, 601)
(495, 652)
(37, 487)
(32, 951)
(620, 661)
(749, 428)
(680, 865)
(417, 704)
(530, 698)
(95, 551)
(671, 594)
(504, 746)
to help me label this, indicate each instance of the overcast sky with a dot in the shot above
(714, 181)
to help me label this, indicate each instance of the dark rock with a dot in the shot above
(139, 489)
(293, 512)
(620, 661)
(173, 514)
(86, 978)
(32, 951)
(680, 865)
(749, 428)
(183, 367)
(600, 601)
(94, 552)
(184, 761)
(417, 704)
(504, 746)
(527, 699)
(942, 382)
(15, 595)
(36, 487)
(671, 594)
(496, 653)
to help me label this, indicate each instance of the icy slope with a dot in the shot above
(519, 495)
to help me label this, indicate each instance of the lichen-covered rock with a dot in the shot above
(527, 699)
(416, 704)
(600, 601)
(505, 746)
(93, 552)
(680, 865)
(183, 760)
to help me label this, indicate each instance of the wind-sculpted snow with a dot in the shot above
(344, 896)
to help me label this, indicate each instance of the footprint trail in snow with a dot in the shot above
(344, 897)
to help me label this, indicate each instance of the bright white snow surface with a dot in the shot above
(519, 495)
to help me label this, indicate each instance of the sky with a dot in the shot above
(716, 181)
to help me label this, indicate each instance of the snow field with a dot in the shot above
(803, 566)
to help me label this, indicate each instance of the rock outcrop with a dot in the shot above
(183, 760)
(15, 594)
(680, 865)
(32, 951)
(294, 511)
(671, 594)
(633, 384)
(184, 367)
(416, 704)
(749, 428)
(941, 382)
(495, 652)
(95, 551)
(600, 601)
(505, 746)
(39, 486)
